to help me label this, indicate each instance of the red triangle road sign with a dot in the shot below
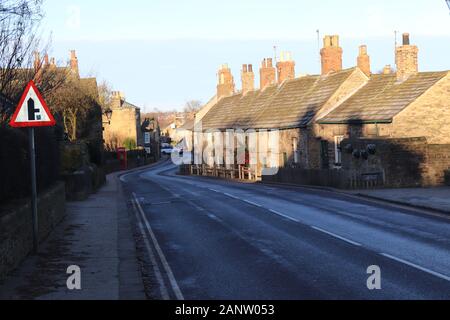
(32, 110)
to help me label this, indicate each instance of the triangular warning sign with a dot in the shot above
(32, 110)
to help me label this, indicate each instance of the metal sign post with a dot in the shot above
(34, 191)
(32, 112)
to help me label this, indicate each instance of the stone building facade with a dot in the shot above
(124, 128)
(314, 114)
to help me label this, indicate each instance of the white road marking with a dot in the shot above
(434, 273)
(337, 236)
(284, 216)
(252, 203)
(215, 218)
(231, 196)
(156, 270)
(214, 190)
(173, 281)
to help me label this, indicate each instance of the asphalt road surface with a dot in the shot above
(212, 239)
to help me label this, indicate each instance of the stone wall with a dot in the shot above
(407, 162)
(438, 163)
(324, 178)
(16, 238)
(401, 162)
(428, 116)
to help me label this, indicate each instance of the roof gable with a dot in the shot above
(382, 98)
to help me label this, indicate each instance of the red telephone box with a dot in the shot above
(122, 156)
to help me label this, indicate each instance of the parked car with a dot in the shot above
(167, 150)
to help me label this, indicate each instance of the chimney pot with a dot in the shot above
(406, 41)
(406, 58)
(387, 69)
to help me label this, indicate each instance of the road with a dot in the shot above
(212, 239)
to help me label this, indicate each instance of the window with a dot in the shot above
(295, 149)
(338, 150)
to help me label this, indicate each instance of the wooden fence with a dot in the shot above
(341, 179)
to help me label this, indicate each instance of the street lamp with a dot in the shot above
(108, 113)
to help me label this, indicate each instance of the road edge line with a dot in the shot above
(423, 269)
(173, 281)
(162, 286)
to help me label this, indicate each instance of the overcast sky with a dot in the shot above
(163, 53)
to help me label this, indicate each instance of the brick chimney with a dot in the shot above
(331, 55)
(285, 67)
(267, 73)
(226, 86)
(248, 78)
(74, 63)
(37, 61)
(406, 59)
(46, 60)
(364, 60)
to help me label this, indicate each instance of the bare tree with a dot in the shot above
(19, 21)
(73, 102)
(105, 95)
(192, 106)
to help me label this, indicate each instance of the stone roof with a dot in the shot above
(188, 125)
(382, 98)
(91, 85)
(124, 105)
(290, 105)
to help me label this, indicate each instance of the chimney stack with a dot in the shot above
(267, 73)
(286, 67)
(387, 69)
(406, 59)
(37, 61)
(226, 86)
(116, 99)
(46, 60)
(364, 60)
(74, 63)
(248, 78)
(331, 54)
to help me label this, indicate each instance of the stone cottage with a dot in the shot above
(402, 105)
(314, 114)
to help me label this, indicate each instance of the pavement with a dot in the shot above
(150, 233)
(215, 239)
(427, 198)
(97, 236)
